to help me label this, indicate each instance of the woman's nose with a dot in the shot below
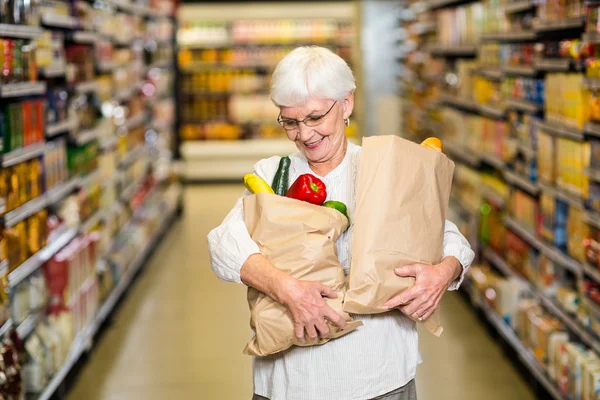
(304, 132)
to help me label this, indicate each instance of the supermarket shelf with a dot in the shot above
(34, 262)
(106, 66)
(591, 272)
(526, 150)
(521, 182)
(19, 31)
(524, 36)
(575, 327)
(79, 345)
(127, 277)
(461, 104)
(23, 89)
(591, 83)
(549, 251)
(26, 210)
(6, 328)
(462, 154)
(593, 173)
(493, 73)
(86, 136)
(493, 160)
(559, 25)
(85, 37)
(452, 51)
(60, 127)
(497, 261)
(433, 4)
(57, 71)
(59, 21)
(593, 219)
(563, 195)
(62, 190)
(28, 326)
(161, 64)
(23, 154)
(85, 87)
(553, 65)
(519, 6)
(228, 159)
(526, 356)
(132, 189)
(493, 196)
(556, 129)
(524, 106)
(89, 179)
(492, 111)
(2, 206)
(591, 37)
(519, 70)
(95, 219)
(592, 129)
(3, 272)
(461, 208)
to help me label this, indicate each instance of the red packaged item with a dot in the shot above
(29, 136)
(39, 119)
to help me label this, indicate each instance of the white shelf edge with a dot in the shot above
(521, 182)
(22, 89)
(65, 126)
(23, 154)
(25, 211)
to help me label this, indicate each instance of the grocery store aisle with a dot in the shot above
(179, 334)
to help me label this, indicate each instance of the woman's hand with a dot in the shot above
(309, 311)
(431, 282)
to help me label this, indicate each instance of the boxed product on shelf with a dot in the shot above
(567, 100)
(87, 109)
(21, 183)
(453, 29)
(527, 89)
(55, 163)
(547, 217)
(525, 209)
(82, 160)
(561, 217)
(25, 238)
(510, 292)
(80, 63)
(573, 159)
(23, 124)
(50, 51)
(517, 252)
(57, 105)
(553, 10)
(546, 156)
(577, 232)
(520, 54)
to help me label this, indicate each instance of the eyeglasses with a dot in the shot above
(293, 124)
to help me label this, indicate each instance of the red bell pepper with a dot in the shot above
(308, 188)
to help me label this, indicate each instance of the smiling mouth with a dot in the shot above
(314, 144)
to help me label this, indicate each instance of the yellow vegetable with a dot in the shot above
(255, 184)
(433, 143)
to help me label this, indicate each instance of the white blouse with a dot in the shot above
(380, 356)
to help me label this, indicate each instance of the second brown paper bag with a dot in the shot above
(298, 238)
(402, 194)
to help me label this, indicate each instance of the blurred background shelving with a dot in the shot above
(510, 87)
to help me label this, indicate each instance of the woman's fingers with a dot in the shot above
(326, 291)
(402, 299)
(299, 332)
(323, 329)
(311, 331)
(335, 318)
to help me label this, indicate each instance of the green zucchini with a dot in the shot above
(281, 182)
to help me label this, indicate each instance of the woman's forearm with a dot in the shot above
(262, 275)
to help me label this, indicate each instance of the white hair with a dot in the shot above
(310, 71)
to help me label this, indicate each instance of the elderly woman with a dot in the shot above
(314, 90)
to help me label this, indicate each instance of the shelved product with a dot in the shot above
(87, 138)
(519, 112)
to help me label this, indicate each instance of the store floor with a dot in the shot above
(179, 333)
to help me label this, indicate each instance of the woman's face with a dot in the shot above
(326, 140)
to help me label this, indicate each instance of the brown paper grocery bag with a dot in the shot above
(298, 238)
(402, 193)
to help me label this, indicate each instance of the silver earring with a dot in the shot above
(347, 122)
